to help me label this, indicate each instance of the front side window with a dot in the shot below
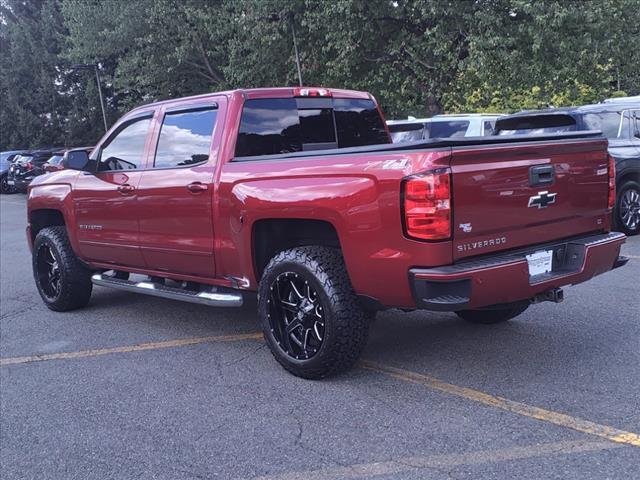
(636, 124)
(125, 151)
(607, 122)
(185, 138)
(447, 129)
(270, 126)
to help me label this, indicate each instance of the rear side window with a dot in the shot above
(407, 132)
(271, 126)
(447, 129)
(185, 138)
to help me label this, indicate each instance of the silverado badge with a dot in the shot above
(542, 200)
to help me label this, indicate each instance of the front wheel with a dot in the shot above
(311, 318)
(495, 314)
(627, 211)
(63, 282)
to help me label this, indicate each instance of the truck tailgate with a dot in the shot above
(512, 195)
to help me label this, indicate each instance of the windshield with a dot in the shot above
(447, 129)
(536, 124)
(55, 160)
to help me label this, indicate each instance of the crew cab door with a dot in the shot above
(175, 194)
(105, 200)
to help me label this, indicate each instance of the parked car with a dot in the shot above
(28, 166)
(298, 194)
(6, 159)
(56, 161)
(619, 121)
(634, 99)
(442, 126)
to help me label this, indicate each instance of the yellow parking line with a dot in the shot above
(584, 426)
(444, 461)
(129, 348)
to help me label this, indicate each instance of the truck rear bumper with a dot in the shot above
(504, 278)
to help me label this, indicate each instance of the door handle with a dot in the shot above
(541, 175)
(126, 189)
(196, 187)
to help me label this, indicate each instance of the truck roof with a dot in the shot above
(266, 92)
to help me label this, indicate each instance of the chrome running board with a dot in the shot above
(208, 295)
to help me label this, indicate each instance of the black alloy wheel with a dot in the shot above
(63, 281)
(311, 318)
(295, 316)
(48, 272)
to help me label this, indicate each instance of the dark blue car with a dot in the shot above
(619, 121)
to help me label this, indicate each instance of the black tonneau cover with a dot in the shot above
(435, 143)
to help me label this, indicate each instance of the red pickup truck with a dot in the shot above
(298, 194)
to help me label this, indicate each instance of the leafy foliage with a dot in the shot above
(416, 57)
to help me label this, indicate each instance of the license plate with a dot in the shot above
(540, 262)
(10, 182)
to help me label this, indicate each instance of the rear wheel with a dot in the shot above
(63, 282)
(311, 318)
(495, 314)
(5, 188)
(628, 208)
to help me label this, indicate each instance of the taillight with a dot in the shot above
(29, 166)
(311, 92)
(612, 183)
(427, 205)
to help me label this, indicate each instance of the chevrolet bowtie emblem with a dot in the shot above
(542, 200)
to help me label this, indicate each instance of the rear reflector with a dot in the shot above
(427, 205)
(311, 92)
(612, 183)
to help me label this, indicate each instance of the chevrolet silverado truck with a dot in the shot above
(299, 195)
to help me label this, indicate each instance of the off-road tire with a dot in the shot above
(491, 315)
(346, 323)
(75, 279)
(630, 187)
(5, 188)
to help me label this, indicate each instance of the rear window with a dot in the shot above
(406, 132)
(607, 122)
(536, 124)
(271, 126)
(489, 128)
(55, 160)
(447, 129)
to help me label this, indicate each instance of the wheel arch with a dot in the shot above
(270, 236)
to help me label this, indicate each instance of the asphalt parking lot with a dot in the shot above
(141, 387)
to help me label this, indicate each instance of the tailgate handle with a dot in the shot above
(541, 175)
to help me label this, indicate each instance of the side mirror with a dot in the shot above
(76, 159)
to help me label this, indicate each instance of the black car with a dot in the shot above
(619, 121)
(27, 166)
